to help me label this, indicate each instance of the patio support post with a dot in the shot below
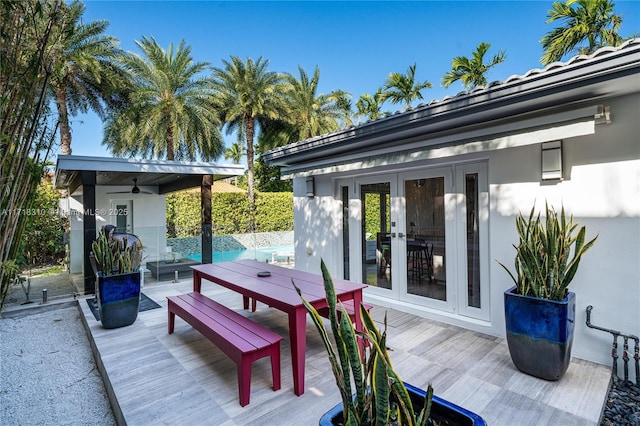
(205, 204)
(88, 226)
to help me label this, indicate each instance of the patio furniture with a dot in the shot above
(348, 306)
(420, 259)
(278, 292)
(241, 339)
(384, 248)
(166, 269)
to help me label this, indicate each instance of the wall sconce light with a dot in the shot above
(552, 160)
(310, 187)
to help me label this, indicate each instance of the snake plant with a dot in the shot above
(545, 263)
(115, 257)
(381, 397)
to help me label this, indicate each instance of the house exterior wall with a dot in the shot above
(601, 188)
(74, 209)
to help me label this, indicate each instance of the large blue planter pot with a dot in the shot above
(118, 299)
(442, 411)
(540, 333)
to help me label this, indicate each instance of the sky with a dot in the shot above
(354, 44)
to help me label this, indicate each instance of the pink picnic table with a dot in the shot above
(278, 292)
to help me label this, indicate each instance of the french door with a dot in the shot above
(420, 237)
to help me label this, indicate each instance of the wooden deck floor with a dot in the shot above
(155, 378)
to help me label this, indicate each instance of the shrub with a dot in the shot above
(42, 241)
(229, 213)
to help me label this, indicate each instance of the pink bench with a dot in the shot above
(241, 339)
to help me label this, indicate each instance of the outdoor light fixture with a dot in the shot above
(552, 160)
(310, 187)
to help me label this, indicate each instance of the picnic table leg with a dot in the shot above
(197, 281)
(357, 301)
(298, 340)
(172, 320)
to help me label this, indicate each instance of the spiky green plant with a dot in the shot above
(545, 263)
(381, 397)
(115, 257)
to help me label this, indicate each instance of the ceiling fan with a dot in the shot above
(134, 190)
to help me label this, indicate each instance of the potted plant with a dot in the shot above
(539, 309)
(380, 396)
(116, 263)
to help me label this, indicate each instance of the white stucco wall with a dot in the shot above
(75, 234)
(149, 217)
(601, 189)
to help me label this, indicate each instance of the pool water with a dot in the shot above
(261, 254)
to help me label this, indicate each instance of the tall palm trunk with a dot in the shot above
(250, 123)
(169, 140)
(63, 116)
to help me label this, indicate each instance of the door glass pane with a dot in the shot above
(121, 217)
(376, 227)
(473, 240)
(425, 219)
(345, 231)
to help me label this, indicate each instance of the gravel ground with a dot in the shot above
(623, 405)
(48, 375)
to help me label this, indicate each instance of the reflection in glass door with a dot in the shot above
(375, 199)
(472, 228)
(426, 238)
(344, 193)
(473, 239)
(122, 215)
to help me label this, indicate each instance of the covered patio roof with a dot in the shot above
(167, 176)
(80, 175)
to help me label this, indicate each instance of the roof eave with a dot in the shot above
(581, 79)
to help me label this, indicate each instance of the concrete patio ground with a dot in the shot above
(153, 377)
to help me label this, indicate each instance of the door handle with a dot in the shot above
(393, 235)
(400, 235)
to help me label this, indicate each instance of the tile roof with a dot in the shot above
(513, 79)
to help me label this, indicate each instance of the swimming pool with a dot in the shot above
(261, 254)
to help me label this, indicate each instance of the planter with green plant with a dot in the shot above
(379, 395)
(540, 309)
(116, 264)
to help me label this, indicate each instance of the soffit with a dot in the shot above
(166, 176)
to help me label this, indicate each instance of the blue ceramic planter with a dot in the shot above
(540, 333)
(441, 410)
(118, 299)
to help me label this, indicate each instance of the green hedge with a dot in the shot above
(229, 213)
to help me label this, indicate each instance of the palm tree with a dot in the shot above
(404, 87)
(85, 73)
(234, 152)
(312, 114)
(589, 26)
(248, 92)
(472, 71)
(369, 106)
(171, 113)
